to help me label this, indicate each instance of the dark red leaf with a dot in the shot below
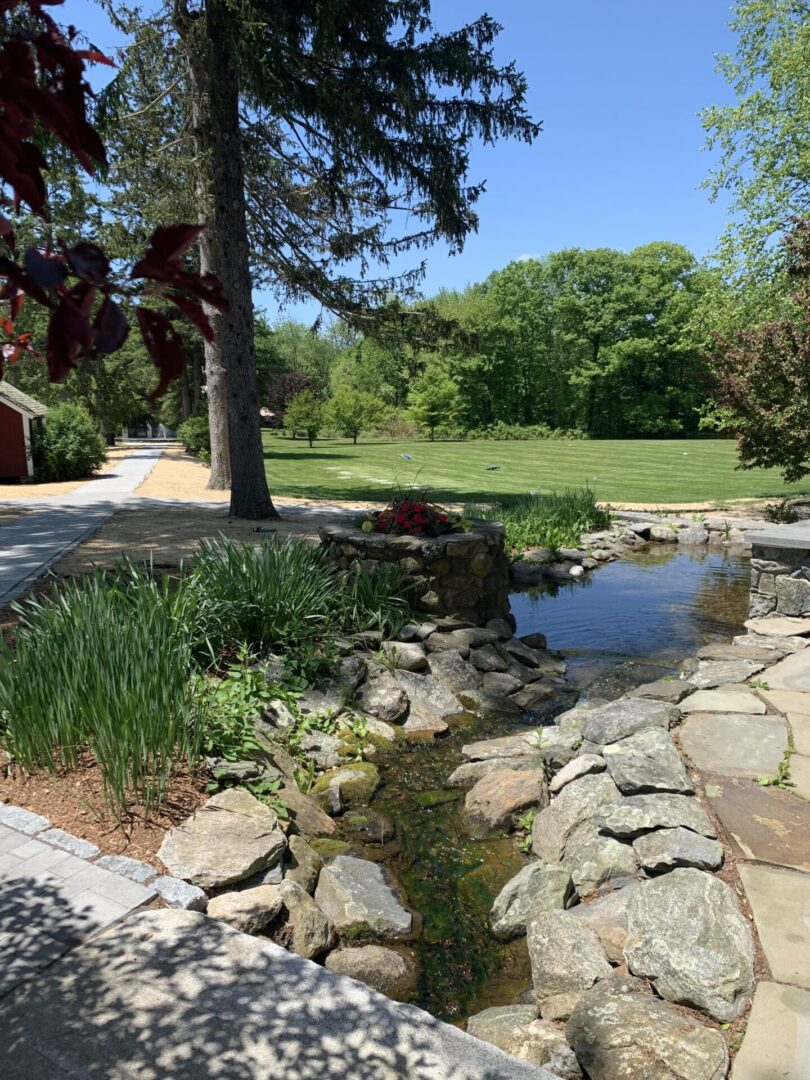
(68, 333)
(164, 345)
(45, 270)
(110, 328)
(194, 313)
(88, 261)
(14, 272)
(167, 243)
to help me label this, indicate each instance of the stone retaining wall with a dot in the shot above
(462, 575)
(780, 581)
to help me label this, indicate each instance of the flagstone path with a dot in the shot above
(767, 817)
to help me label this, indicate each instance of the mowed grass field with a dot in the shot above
(651, 472)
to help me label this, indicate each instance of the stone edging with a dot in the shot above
(174, 892)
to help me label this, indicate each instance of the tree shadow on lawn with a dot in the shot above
(171, 994)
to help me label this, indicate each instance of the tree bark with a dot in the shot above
(191, 31)
(250, 497)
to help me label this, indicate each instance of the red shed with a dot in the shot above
(19, 416)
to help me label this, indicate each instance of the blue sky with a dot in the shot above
(618, 85)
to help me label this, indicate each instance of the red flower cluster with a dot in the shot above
(408, 517)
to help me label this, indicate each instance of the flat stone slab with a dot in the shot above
(639, 814)
(626, 716)
(780, 900)
(713, 673)
(765, 824)
(792, 673)
(786, 701)
(733, 700)
(735, 744)
(176, 994)
(800, 730)
(779, 626)
(645, 762)
(777, 1036)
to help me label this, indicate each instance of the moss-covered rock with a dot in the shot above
(435, 798)
(356, 782)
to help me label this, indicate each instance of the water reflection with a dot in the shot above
(635, 619)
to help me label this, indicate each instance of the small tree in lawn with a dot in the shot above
(352, 411)
(282, 390)
(434, 399)
(304, 413)
(763, 377)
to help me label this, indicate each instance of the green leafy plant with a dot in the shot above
(781, 513)
(68, 446)
(195, 435)
(554, 520)
(524, 824)
(759, 684)
(781, 777)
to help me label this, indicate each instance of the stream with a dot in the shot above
(630, 622)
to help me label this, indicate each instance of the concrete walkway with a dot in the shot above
(751, 742)
(32, 544)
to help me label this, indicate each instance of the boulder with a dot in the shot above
(647, 761)
(356, 897)
(430, 699)
(576, 803)
(686, 934)
(470, 772)
(500, 682)
(392, 973)
(384, 698)
(537, 887)
(405, 655)
(352, 672)
(534, 658)
(230, 838)
(565, 954)
(500, 627)
(250, 910)
(354, 783)
(517, 1032)
(488, 658)
(303, 864)
(305, 814)
(559, 1006)
(490, 706)
(324, 749)
(525, 573)
(502, 793)
(454, 671)
(423, 728)
(607, 917)
(610, 723)
(534, 694)
(306, 930)
(693, 535)
(666, 848)
(638, 814)
(506, 746)
(578, 766)
(593, 858)
(619, 1031)
(557, 746)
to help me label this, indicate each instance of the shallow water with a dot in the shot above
(628, 623)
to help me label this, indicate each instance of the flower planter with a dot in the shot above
(463, 576)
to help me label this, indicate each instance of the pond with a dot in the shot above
(628, 623)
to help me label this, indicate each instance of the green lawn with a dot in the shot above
(645, 471)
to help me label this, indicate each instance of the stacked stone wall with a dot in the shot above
(462, 576)
(780, 581)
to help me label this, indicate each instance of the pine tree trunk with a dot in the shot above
(215, 380)
(250, 497)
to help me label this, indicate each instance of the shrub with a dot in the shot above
(553, 520)
(102, 665)
(69, 445)
(195, 435)
(501, 431)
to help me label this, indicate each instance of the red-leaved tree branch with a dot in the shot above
(43, 88)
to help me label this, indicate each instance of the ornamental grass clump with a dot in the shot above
(102, 666)
(554, 520)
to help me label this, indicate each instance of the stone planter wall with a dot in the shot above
(780, 581)
(462, 575)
